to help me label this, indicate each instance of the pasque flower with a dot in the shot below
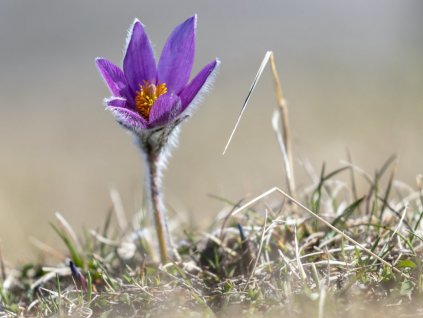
(146, 95)
(151, 99)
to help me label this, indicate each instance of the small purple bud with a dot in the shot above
(78, 276)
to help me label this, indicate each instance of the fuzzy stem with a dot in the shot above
(155, 203)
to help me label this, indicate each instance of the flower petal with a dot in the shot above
(139, 64)
(128, 119)
(116, 102)
(112, 76)
(121, 102)
(177, 57)
(166, 108)
(199, 83)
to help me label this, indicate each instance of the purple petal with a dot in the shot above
(177, 57)
(112, 76)
(139, 64)
(166, 108)
(198, 83)
(128, 119)
(121, 102)
(116, 102)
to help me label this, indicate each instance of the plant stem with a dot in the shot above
(155, 203)
(283, 109)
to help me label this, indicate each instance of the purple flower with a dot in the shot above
(147, 95)
(150, 99)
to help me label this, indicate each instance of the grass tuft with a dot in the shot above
(266, 260)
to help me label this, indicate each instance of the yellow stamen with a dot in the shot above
(147, 96)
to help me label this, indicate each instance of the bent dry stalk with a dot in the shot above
(150, 100)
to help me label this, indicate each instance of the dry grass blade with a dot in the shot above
(400, 222)
(51, 274)
(276, 119)
(250, 91)
(280, 120)
(119, 210)
(288, 262)
(363, 248)
(258, 254)
(284, 119)
(297, 255)
(103, 239)
(220, 243)
(47, 249)
(362, 172)
(68, 229)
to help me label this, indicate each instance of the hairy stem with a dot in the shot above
(155, 203)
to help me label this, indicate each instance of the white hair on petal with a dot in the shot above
(121, 118)
(195, 23)
(129, 36)
(96, 60)
(109, 99)
(204, 90)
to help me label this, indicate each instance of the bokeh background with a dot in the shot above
(352, 72)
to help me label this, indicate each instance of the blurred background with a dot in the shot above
(352, 72)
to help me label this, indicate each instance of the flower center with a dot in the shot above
(147, 96)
